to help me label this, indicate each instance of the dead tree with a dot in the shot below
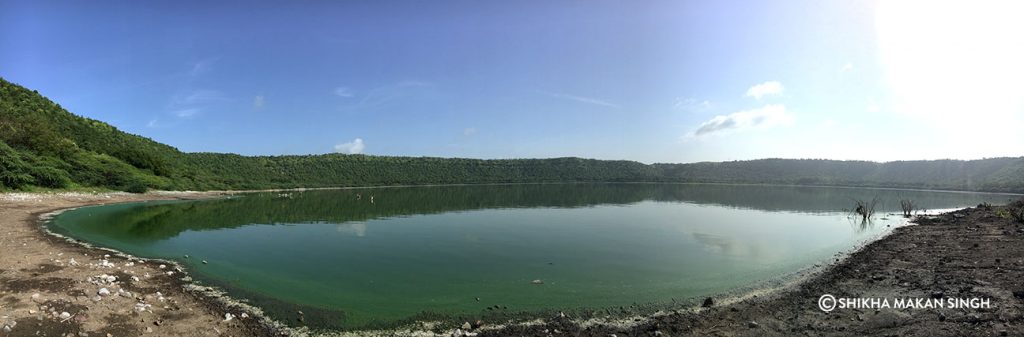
(908, 207)
(865, 209)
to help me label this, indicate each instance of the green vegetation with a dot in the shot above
(44, 146)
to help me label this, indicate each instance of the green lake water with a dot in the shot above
(430, 252)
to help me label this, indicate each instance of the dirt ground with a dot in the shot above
(50, 287)
(971, 253)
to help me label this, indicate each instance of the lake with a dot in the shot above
(495, 251)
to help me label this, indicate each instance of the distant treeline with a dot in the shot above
(43, 145)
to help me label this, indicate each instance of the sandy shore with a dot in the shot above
(51, 287)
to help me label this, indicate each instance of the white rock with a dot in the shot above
(65, 315)
(103, 292)
(228, 317)
(244, 315)
(163, 266)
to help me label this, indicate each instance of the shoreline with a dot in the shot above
(963, 254)
(57, 286)
(216, 303)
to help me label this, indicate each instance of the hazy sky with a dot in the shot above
(652, 81)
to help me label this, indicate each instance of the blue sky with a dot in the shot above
(653, 81)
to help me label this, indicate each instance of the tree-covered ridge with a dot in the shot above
(43, 145)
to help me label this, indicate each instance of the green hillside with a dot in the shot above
(43, 145)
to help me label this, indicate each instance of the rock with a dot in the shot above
(103, 292)
(466, 326)
(244, 315)
(228, 317)
(708, 302)
(163, 266)
(65, 315)
(886, 319)
(204, 262)
(538, 281)
(752, 325)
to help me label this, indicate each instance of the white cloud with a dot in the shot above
(198, 96)
(765, 89)
(353, 147)
(469, 131)
(343, 92)
(691, 104)
(187, 112)
(846, 67)
(763, 117)
(583, 99)
(257, 102)
(152, 123)
(202, 67)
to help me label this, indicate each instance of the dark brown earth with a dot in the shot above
(971, 253)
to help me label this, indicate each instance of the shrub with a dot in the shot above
(51, 177)
(134, 185)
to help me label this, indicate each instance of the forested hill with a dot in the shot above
(43, 145)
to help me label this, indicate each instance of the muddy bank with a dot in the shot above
(52, 287)
(975, 253)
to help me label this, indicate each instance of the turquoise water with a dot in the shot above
(430, 252)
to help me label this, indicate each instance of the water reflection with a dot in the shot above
(157, 221)
(352, 228)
